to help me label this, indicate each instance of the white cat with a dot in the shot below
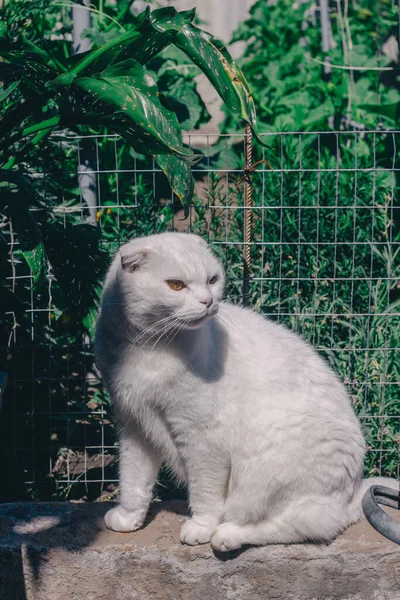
(240, 408)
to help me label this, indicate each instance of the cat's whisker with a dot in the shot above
(152, 326)
(181, 325)
(165, 333)
(148, 339)
(167, 322)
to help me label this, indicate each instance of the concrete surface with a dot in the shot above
(63, 552)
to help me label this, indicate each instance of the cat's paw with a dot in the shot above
(119, 519)
(194, 533)
(227, 537)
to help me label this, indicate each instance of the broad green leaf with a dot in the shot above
(124, 98)
(32, 75)
(391, 111)
(36, 259)
(32, 50)
(115, 50)
(22, 52)
(157, 29)
(179, 176)
(211, 56)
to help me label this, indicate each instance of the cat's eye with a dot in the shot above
(213, 279)
(176, 285)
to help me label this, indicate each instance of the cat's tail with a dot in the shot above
(385, 491)
(356, 509)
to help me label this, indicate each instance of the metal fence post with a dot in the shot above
(326, 35)
(87, 179)
(81, 21)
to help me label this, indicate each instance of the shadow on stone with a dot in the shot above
(177, 507)
(227, 556)
(29, 532)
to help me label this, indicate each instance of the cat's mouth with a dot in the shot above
(199, 321)
(195, 323)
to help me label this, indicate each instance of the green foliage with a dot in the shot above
(283, 61)
(109, 86)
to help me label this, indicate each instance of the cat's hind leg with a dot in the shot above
(316, 519)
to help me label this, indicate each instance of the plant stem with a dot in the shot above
(42, 129)
(119, 16)
(48, 124)
(93, 10)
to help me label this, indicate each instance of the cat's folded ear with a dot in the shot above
(133, 258)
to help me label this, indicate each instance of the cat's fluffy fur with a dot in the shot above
(240, 408)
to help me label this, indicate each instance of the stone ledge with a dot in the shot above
(62, 551)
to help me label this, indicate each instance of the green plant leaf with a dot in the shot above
(124, 98)
(63, 80)
(142, 42)
(36, 259)
(4, 41)
(90, 319)
(212, 57)
(179, 176)
(391, 111)
(157, 29)
(6, 92)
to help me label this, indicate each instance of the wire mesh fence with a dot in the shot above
(324, 260)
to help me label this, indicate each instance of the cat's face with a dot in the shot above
(170, 281)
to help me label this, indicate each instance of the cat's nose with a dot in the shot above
(207, 301)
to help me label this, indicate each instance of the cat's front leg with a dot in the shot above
(139, 465)
(208, 480)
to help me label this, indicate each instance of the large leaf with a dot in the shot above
(156, 30)
(179, 176)
(211, 56)
(124, 98)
